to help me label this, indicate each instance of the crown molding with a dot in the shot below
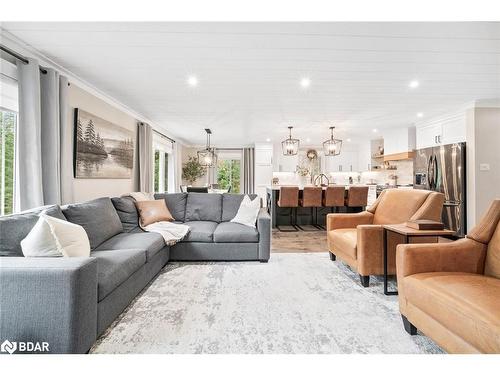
(23, 48)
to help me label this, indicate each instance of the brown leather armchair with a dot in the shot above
(451, 291)
(357, 239)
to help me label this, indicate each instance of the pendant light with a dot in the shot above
(290, 146)
(332, 146)
(207, 157)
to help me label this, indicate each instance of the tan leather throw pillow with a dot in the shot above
(153, 211)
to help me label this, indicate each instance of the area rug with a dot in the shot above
(296, 303)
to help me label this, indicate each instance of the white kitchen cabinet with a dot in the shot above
(347, 161)
(399, 140)
(442, 131)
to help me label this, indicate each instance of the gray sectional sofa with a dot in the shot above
(69, 302)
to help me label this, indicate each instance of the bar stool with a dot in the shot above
(334, 198)
(312, 197)
(289, 198)
(357, 198)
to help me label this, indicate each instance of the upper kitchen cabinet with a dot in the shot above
(442, 131)
(399, 143)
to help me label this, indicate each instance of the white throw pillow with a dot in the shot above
(55, 237)
(248, 211)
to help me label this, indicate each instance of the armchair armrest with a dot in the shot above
(370, 245)
(464, 255)
(51, 300)
(264, 229)
(339, 221)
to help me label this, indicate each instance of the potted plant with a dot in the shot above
(192, 170)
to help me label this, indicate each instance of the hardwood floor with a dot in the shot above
(298, 242)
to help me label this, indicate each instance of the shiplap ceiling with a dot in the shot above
(249, 73)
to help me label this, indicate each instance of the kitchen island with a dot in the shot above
(280, 215)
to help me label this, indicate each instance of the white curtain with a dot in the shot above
(145, 154)
(38, 151)
(248, 170)
(177, 164)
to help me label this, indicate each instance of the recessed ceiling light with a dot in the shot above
(414, 84)
(375, 130)
(348, 139)
(305, 82)
(268, 139)
(192, 81)
(420, 114)
(308, 140)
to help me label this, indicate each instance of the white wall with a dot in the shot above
(85, 189)
(483, 140)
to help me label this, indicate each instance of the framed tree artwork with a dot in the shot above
(101, 149)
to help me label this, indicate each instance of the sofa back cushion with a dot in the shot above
(231, 203)
(204, 207)
(176, 204)
(399, 205)
(127, 212)
(98, 217)
(14, 228)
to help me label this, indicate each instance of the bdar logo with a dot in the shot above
(9, 347)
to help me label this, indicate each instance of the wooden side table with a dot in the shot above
(407, 233)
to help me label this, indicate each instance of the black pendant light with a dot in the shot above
(290, 146)
(332, 146)
(207, 157)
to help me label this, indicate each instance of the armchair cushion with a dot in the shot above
(465, 303)
(344, 240)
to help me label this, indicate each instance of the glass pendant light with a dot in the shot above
(207, 157)
(332, 146)
(290, 146)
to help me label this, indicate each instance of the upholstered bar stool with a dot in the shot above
(312, 197)
(289, 198)
(334, 198)
(357, 198)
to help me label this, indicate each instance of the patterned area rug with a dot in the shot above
(296, 303)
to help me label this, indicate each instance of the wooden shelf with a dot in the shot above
(408, 155)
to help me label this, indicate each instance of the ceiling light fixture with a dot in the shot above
(348, 139)
(420, 114)
(192, 81)
(375, 130)
(414, 84)
(207, 157)
(332, 146)
(268, 139)
(290, 146)
(305, 82)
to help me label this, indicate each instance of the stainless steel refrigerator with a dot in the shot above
(442, 169)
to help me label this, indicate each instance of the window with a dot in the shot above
(8, 127)
(163, 176)
(229, 170)
(8, 122)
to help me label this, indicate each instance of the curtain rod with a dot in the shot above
(19, 57)
(163, 135)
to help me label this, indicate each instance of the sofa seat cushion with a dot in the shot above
(200, 231)
(235, 232)
(344, 240)
(116, 266)
(152, 243)
(465, 303)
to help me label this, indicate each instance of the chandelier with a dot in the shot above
(332, 146)
(290, 146)
(207, 157)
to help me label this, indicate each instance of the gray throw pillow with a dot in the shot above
(125, 207)
(98, 217)
(176, 203)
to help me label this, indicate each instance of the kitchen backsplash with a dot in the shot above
(404, 173)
